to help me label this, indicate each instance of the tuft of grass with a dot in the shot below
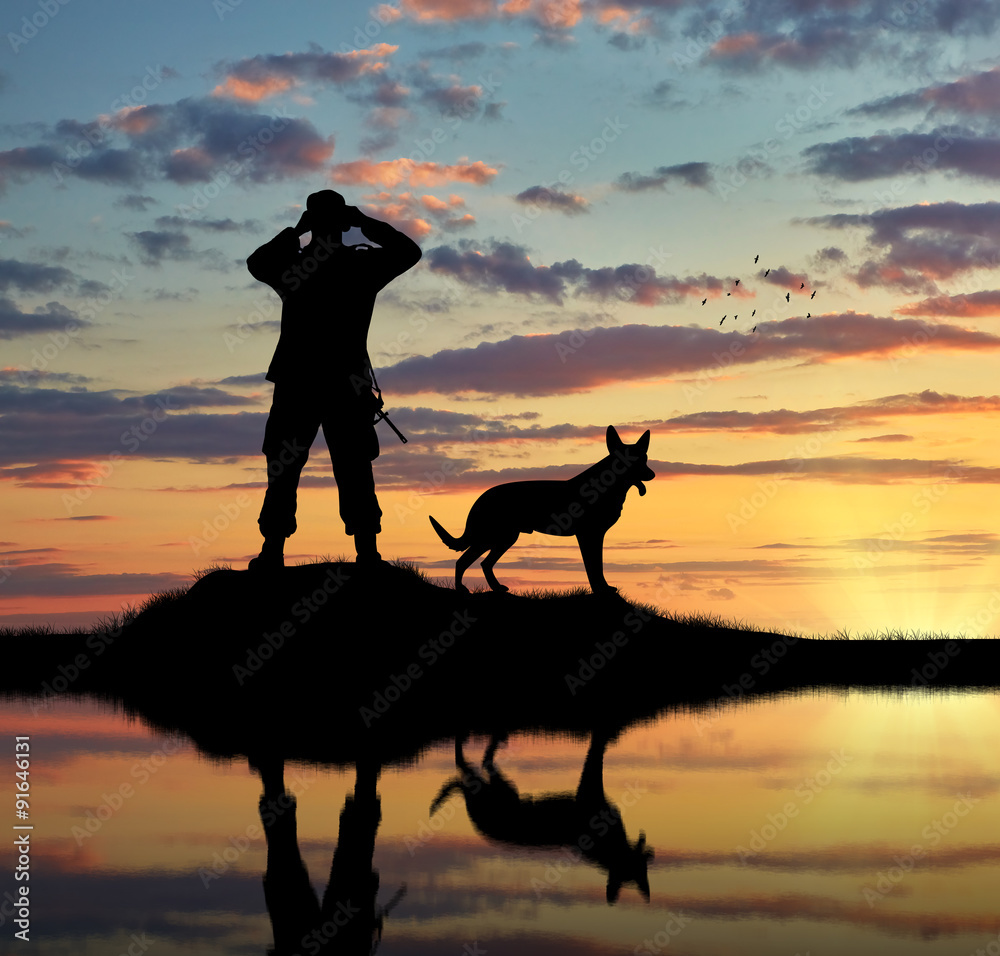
(200, 573)
(30, 630)
(115, 621)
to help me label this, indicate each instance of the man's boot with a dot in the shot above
(364, 544)
(271, 557)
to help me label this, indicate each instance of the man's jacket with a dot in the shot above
(328, 292)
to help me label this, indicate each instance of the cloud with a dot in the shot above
(970, 305)
(541, 197)
(407, 212)
(32, 376)
(660, 96)
(55, 579)
(189, 141)
(135, 201)
(209, 225)
(32, 276)
(690, 174)
(785, 279)
(54, 317)
(860, 158)
(159, 246)
(924, 242)
(580, 360)
(257, 78)
(976, 94)
(813, 45)
(393, 172)
(155, 246)
(507, 267)
(875, 412)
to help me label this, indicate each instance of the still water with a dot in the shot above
(857, 823)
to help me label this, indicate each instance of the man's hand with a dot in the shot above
(353, 217)
(304, 224)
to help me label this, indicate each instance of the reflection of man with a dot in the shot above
(348, 920)
(320, 367)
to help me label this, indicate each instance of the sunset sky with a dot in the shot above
(580, 175)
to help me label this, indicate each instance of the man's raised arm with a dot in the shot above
(269, 262)
(400, 251)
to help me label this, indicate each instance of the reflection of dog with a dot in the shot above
(585, 822)
(585, 506)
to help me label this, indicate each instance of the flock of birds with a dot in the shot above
(788, 297)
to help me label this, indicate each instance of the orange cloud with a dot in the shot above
(550, 14)
(135, 120)
(448, 9)
(253, 91)
(433, 203)
(392, 172)
(735, 44)
(971, 305)
(405, 210)
(260, 77)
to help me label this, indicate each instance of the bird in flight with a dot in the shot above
(788, 296)
(703, 301)
(765, 273)
(723, 319)
(755, 258)
(754, 329)
(735, 317)
(801, 287)
(809, 315)
(752, 314)
(737, 281)
(813, 296)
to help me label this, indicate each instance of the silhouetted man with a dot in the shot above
(320, 367)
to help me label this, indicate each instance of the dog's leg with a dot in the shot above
(592, 550)
(462, 564)
(495, 554)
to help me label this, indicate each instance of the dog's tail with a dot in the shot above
(456, 544)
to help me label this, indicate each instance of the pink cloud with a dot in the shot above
(392, 172)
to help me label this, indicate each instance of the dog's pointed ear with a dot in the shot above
(643, 443)
(614, 442)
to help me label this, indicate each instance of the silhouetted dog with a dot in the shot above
(585, 506)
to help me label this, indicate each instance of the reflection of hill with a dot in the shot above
(382, 659)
